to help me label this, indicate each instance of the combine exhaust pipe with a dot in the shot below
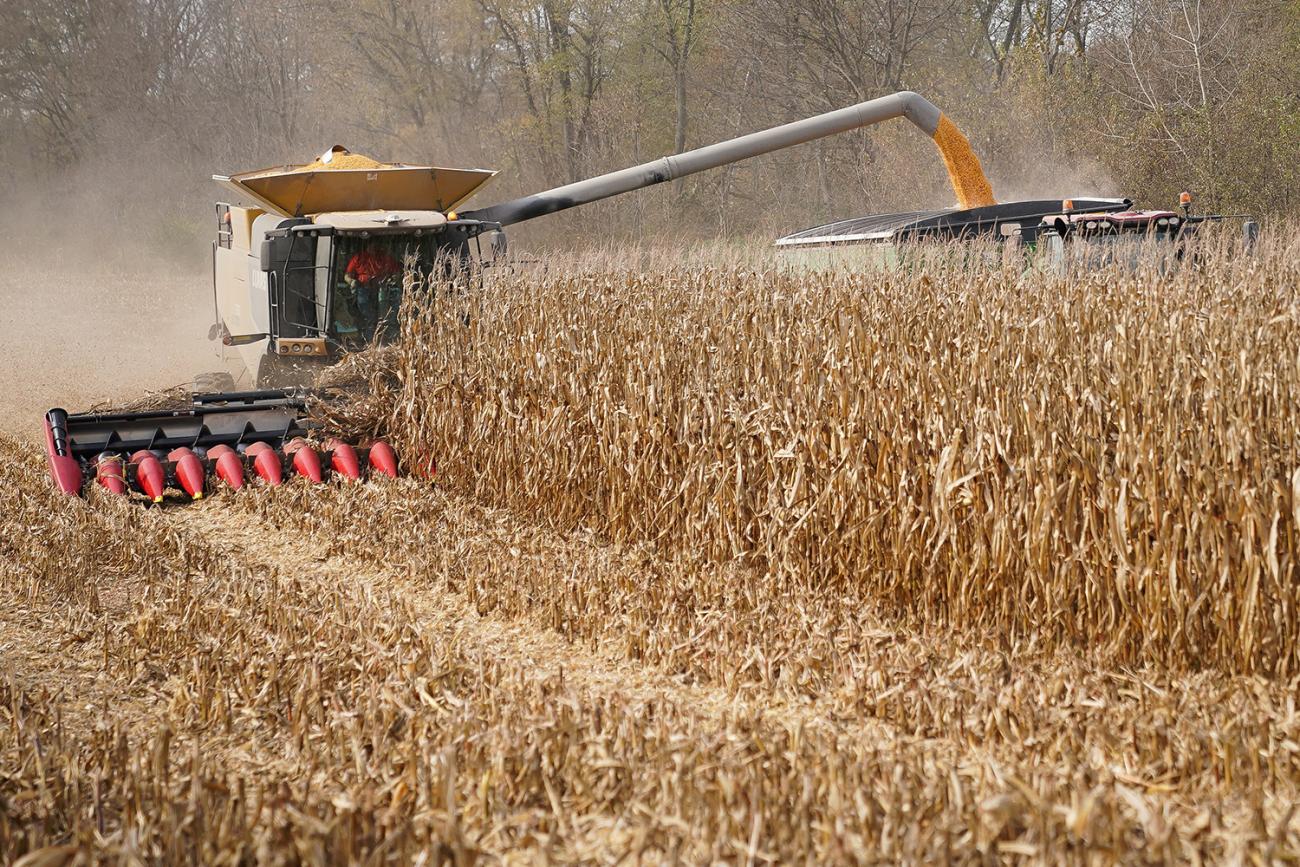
(913, 106)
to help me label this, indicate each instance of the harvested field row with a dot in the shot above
(1102, 464)
(311, 695)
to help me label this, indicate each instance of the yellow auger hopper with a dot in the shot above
(343, 181)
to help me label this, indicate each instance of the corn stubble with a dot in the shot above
(960, 564)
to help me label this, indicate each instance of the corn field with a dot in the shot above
(1103, 464)
(959, 562)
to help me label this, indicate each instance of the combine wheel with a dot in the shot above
(213, 383)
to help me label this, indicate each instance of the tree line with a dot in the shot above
(140, 100)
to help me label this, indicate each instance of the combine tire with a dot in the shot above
(213, 383)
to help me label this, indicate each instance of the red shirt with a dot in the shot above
(367, 266)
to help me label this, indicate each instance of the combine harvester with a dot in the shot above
(289, 296)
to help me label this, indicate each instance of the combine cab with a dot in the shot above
(228, 439)
(319, 265)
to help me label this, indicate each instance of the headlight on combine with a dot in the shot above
(314, 346)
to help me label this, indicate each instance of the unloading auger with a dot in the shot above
(967, 177)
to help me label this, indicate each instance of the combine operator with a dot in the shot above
(365, 274)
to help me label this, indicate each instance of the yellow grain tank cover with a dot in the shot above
(351, 182)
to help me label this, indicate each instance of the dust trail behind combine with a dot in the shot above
(75, 337)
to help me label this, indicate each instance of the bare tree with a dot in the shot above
(1049, 29)
(1173, 74)
(678, 25)
(433, 63)
(559, 53)
(1155, 92)
(46, 51)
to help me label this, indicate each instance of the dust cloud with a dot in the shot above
(1022, 176)
(72, 336)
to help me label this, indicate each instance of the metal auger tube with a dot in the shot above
(912, 106)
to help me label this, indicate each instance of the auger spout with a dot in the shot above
(963, 166)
